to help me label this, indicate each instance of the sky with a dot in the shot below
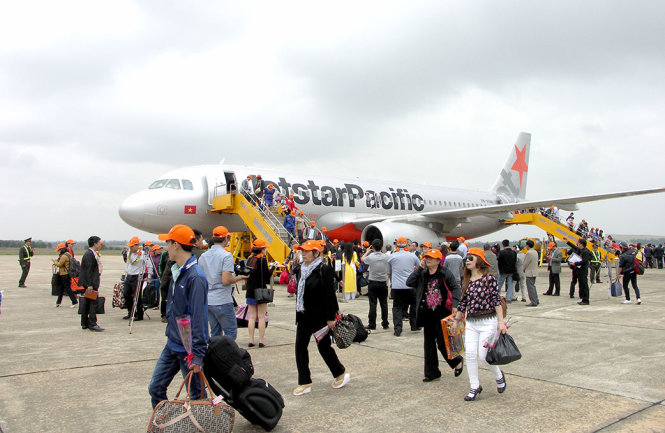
(98, 98)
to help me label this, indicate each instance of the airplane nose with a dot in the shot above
(132, 210)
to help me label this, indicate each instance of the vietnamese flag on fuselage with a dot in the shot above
(190, 210)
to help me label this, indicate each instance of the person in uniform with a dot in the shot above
(25, 253)
(595, 264)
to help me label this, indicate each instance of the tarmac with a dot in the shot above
(583, 368)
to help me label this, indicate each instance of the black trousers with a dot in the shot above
(163, 291)
(584, 285)
(659, 262)
(632, 279)
(555, 283)
(403, 299)
(378, 291)
(129, 289)
(25, 269)
(433, 338)
(89, 312)
(304, 333)
(64, 286)
(595, 272)
(573, 283)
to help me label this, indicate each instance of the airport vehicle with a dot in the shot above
(206, 196)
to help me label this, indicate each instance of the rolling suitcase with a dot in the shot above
(258, 402)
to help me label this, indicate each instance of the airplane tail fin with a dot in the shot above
(511, 182)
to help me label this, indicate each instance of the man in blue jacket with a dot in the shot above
(188, 295)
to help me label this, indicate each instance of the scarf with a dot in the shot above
(305, 272)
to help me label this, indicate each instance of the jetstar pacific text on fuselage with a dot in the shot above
(350, 194)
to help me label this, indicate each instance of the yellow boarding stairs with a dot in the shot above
(554, 229)
(262, 221)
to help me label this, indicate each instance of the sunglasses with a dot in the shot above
(470, 258)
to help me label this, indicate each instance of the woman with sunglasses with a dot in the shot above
(432, 283)
(482, 305)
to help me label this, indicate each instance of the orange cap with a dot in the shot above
(427, 244)
(293, 213)
(461, 239)
(60, 246)
(323, 243)
(310, 245)
(300, 213)
(156, 247)
(313, 223)
(220, 232)
(402, 241)
(133, 241)
(365, 244)
(270, 186)
(479, 253)
(551, 245)
(69, 241)
(258, 176)
(433, 254)
(179, 233)
(249, 176)
(148, 244)
(290, 195)
(466, 243)
(323, 229)
(259, 243)
(335, 241)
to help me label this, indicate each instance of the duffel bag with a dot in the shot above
(187, 416)
(227, 365)
(118, 296)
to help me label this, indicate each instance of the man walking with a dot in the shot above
(25, 253)
(595, 264)
(400, 266)
(554, 268)
(658, 253)
(89, 278)
(531, 272)
(217, 265)
(582, 269)
(378, 283)
(507, 261)
(187, 296)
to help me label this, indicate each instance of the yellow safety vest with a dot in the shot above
(27, 253)
(596, 258)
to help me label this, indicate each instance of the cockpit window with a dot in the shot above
(187, 184)
(158, 184)
(173, 184)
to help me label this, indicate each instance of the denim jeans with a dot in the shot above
(167, 367)
(222, 318)
(510, 294)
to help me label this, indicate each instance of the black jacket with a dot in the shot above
(658, 252)
(583, 267)
(319, 299)
(627, 262)
(507, 261)
(260, 276)
(417, 281)
(89, 276)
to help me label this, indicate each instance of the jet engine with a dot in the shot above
(388, 232)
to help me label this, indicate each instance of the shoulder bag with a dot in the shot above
(187, 416)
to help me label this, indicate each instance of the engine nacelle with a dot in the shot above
(389, 232)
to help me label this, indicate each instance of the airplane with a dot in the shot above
(350, 208)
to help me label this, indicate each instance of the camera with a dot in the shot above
(241, 268)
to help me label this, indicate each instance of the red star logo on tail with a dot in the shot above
(520, 163)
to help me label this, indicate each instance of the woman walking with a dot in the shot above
(64, 283)
(350, 264)
(482, 305)
(316, 308)
(259, 277)
(433, 283)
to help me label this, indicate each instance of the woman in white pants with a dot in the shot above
(482, 305)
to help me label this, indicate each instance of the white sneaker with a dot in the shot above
(303, 389)
(639, 301)
(74, 305)
(342, 380)
(627, 302)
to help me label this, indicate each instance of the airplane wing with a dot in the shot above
(501, 211)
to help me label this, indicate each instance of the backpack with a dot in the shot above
(150, 296)
(74, 267)
(638, 265)
(361, 332)
(227, 365)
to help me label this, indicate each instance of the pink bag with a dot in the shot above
(292, 287)
(284, 277)
(242, 317)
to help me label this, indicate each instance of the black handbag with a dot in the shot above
(504, 352)
(264, 296)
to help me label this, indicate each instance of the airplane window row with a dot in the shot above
(453, 203)
(172, 184)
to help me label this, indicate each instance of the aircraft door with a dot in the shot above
(231, 185)
(216, 187)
